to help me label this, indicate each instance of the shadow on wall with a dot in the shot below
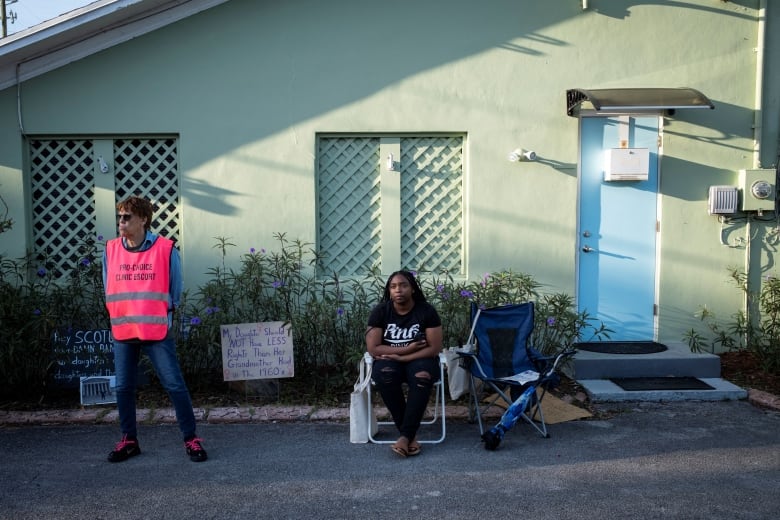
(286, 57)
(622, 10)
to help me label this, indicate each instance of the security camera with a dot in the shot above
(522, 155)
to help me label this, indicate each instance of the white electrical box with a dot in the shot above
(627, 164)
(723, 200)
(758, 189)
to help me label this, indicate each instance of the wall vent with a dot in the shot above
(723, 200)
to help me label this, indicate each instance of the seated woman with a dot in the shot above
(404, 337)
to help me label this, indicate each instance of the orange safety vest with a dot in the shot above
(137, 290)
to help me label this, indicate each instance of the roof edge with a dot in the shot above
(85, 31)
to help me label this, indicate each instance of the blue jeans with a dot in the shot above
(389, 376)
(162, 354)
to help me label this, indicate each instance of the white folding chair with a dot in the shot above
(437, 408)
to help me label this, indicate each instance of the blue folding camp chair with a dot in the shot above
(509, 367)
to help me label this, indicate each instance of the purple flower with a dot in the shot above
(551, 320)
(85, 262)
(100, 238)
(252, 250)
(466, 294)
(262, 250)
(41, 272)
(37, 312)
(277, 284)
(195, 321)
(440, 288)
(340, 311)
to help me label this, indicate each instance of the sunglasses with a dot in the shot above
(124, 217)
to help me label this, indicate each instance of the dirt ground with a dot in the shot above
(742, 369)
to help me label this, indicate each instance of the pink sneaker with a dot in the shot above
(195, 449)
(124, 449)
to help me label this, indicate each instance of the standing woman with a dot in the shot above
(404, 337)
(143, 282)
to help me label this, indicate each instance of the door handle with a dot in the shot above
(587, 249)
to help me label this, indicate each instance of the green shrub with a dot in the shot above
(557, 324)
(38, 298)
(760, 336)
(327, 316)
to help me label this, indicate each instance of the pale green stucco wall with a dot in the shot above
(248, 85)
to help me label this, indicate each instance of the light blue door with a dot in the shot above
(617, 229)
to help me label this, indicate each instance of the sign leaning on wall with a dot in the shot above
(257, 351)
(81, 353)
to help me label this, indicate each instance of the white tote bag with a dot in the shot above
(359, 405)
(457, 376)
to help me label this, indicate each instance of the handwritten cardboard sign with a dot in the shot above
(82, 353)
(257, 351)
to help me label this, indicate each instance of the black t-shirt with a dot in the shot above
(399, 329)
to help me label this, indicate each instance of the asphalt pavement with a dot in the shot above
(687, 460)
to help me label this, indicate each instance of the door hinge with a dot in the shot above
(655, 309)
(657, 226)
(660, 141)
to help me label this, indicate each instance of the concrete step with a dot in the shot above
(677, 361)
(604, 390)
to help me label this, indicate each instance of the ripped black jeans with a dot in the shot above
(419, 375)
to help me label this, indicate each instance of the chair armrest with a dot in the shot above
(534, 354)
(539, 360)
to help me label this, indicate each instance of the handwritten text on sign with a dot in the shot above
(257, 351)
(81, 353)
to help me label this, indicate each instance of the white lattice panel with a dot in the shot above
(63, 209)
(149, 168)
(351, 208)
(62, 186)
(349, 205)
(432, 203)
